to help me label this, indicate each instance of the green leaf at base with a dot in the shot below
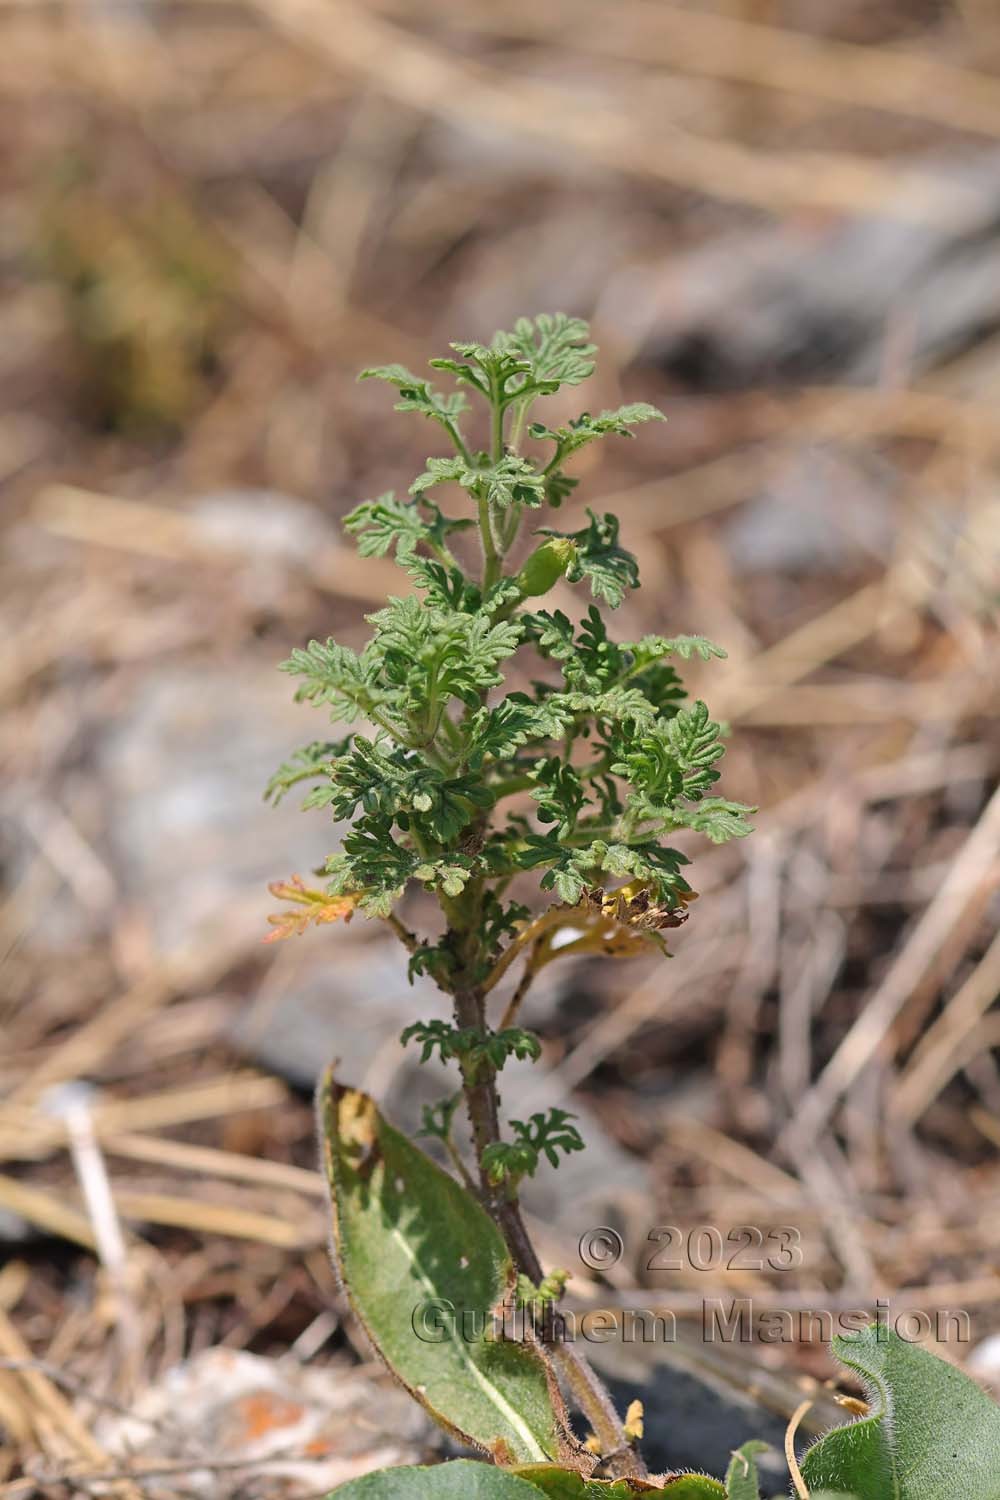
(565, 1484)
(932, 1434)
(460, 1480)
(419, 1256)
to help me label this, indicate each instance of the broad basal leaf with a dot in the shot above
(565, 1484)
(464, 1480)
(424, 1268)
(460, 1480)
(932, 1434)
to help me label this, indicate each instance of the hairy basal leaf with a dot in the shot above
(564, 1484)
(460, 1480)
(417, 1254)
(931, 1434)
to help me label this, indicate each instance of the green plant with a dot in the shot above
(573, 776)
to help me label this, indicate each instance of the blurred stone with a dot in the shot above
(270, 532)
(14, 1230)
(263, 523)
(820, 300)
(183, 772)
(821, 513)
(298, 1430)
(693, 1423)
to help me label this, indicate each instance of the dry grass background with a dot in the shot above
(781, 218)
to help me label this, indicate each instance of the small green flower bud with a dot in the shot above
(546, 564)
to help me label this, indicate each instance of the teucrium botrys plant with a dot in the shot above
(494, 739)
(577, 775)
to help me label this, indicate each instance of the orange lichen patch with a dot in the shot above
(261, 1413)
(310, 906)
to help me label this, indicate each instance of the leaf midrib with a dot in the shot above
(490, 1390)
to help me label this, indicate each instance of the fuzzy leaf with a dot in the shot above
(400, 786)
(371, 863)
(462, 1479)
(931, 1434)
(742, 1480)
(408, 1239)
(307, 908)
(570, 869)
(559, 793)
(590, 661)
(565, 1484)
(510, 480)
(652, 647)
(555, 348)
(694, 740)
(716, 818)
(311, 761)
(418, 395)
(426, 654)
(335, 676)
(586, 428)
(500, 731)
(403, 524)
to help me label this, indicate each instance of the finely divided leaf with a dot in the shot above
(652, 647)
(694, 740)
(585, 428)
(418, 1255)
(509, 480)
(418, 395)
(335, 676)
(717, 818)
(555, 348)
(608, 568)
(311, 761)
(403, 524)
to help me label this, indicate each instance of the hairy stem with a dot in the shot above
(483, 1106)
(588, 1389)
(491, 557)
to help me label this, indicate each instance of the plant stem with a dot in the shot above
(496, 432)
(482, 1102)
(491, 558)
(483, 1105)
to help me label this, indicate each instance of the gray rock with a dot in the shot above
(820, 514)
(690, 1423)
(183, 773)
(797, 301)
